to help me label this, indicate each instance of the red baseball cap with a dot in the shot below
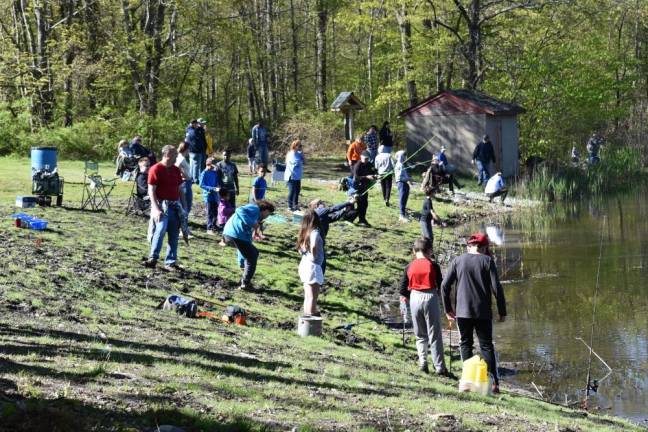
(480, 239)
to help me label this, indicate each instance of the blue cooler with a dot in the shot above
(43, 158)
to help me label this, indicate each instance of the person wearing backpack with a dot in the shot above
(228, 176)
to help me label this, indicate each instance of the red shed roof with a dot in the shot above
(462, 101)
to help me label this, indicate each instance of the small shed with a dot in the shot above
(347, 103)
(458, 119)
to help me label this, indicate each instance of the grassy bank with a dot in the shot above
(83, 347)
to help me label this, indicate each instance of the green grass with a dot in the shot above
(83, 347)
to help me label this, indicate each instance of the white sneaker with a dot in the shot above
(211, 232)
(403, 219)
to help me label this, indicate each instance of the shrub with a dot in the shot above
(322, 133)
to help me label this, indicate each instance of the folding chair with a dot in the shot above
(137, 204)
(96, 189)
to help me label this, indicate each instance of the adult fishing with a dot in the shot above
(391, 172)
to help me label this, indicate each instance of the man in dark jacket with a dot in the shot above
(482, 156)
(476, 277)
(139, 151)
(195, 139)
(363, 174)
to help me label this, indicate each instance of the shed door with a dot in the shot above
(498, 145)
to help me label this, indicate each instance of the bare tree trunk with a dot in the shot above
(272, 59)
(474, 46)
(405, 28)
(320, 54)
(131, 58)
(67, 11)
(155, 14)
(91, 14)
(295, 49)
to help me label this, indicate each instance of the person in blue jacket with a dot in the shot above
(238, 232)
(210, 187)
(294, 173)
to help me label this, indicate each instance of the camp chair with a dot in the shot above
(96, 189)
(278, 170)
(137, 204)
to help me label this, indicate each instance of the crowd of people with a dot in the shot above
(168, 186)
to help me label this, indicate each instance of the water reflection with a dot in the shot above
(548, 261)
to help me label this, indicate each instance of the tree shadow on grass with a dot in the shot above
(243, 367)
(68, 415)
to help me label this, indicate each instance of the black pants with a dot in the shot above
(250, 255)
(294, 187)
(212, 215)
(452, 181)
(426, 228)
(362, 203)
(502, 193)
(232, 197)
(484, 329)
(386, 186)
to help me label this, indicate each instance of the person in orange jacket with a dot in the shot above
(355, 150)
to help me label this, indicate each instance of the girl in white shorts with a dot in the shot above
(311, 246)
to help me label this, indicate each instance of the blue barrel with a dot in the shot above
(43, 158)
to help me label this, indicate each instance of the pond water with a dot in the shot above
(548, 262)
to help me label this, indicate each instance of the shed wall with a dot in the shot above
(458, 133)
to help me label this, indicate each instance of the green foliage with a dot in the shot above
(620, 169)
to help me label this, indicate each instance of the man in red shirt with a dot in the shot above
(167, 211)
(420, 286)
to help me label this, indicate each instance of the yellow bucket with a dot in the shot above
(474, 376)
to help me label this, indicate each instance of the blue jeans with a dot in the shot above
(188, 193)
(262, 151)
(403, 195)
(482, 169)
(169, 224)
(196, 164)
(212, 214)
(294, 187)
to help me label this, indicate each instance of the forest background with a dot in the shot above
(82, 74)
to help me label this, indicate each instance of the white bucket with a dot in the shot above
(309, 326)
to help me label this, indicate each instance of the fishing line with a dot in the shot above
(424, 146)
(594, 302)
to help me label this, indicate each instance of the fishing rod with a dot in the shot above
(589, 387)
(423, 146)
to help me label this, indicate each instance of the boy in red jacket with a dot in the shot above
(420, 287)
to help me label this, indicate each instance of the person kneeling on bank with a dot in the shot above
(420, 287)
(495, 188)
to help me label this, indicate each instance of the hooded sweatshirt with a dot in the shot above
(383, 162)
(400, 170)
